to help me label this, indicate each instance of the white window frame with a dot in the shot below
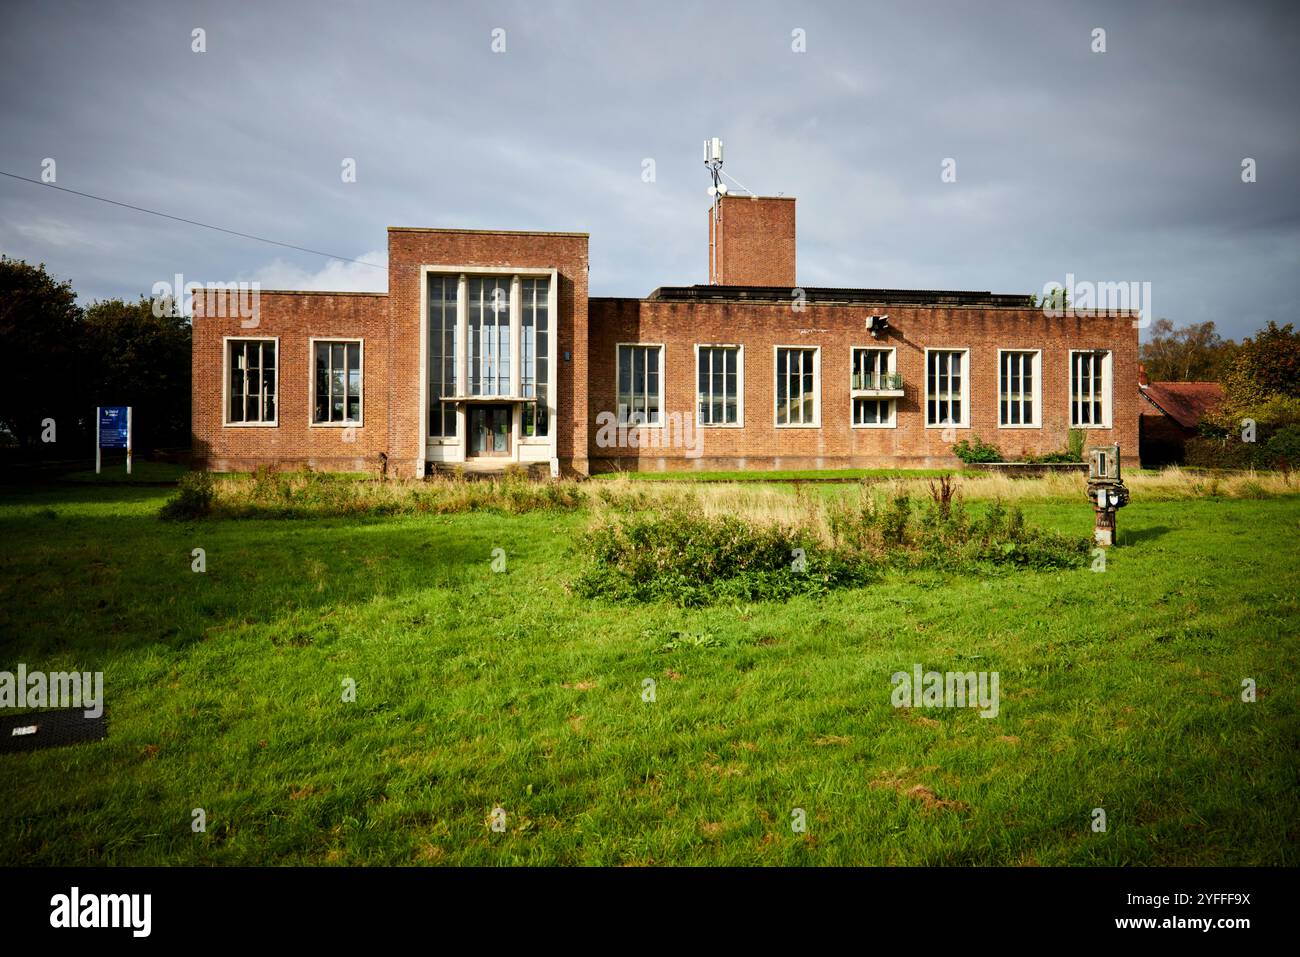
(964, 422)
(1036, 395)
(454, 448)
(225, 382)
(740, 385)
(552, 336)
(1107, 368)
(816, 423)
(311, 384)
(458, 361)
(488, 362)
(618, 385)
(891, 366)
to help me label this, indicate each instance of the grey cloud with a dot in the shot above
(1115, 166)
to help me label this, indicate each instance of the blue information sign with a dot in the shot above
(112, 427)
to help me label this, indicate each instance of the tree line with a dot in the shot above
(64, 359)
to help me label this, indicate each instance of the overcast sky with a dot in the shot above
(1117, 166)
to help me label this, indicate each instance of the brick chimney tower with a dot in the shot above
(751, 241)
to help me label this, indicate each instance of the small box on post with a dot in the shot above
(1106, 491)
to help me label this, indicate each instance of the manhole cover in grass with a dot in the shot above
(49, 729)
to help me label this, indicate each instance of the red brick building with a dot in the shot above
(488, 351)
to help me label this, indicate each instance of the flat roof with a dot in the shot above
(314, 292)
(832, 295)
(485, 232)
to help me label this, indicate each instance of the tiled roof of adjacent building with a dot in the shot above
(1184, 402)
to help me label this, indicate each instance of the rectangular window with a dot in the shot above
(253, 381)
(336, 383)
(489, 335)
(639, 384)
(1018, 389)
(535, 355)
(797, 387)
(717, 374)
(946, 398)
(442, 293)
(871, 370)
(873, 411)
(1090, 389)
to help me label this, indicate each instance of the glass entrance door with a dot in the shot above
(489, 430)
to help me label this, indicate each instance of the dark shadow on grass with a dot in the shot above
(118, 582)
(1134, 536)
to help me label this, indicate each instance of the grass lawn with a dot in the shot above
(773, 475)
(476, 689)
(143, 472)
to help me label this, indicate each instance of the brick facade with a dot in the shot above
(754, 238)
(409, 249)
(294, 318)
(756, 252)
(835, 330)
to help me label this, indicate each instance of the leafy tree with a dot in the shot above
(1194, 353)
(63, 360)
(1263, 380)
(39, 331)
(138, 359)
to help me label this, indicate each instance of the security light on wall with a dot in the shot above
(876, 323)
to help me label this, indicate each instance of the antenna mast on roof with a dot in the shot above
(713, 160)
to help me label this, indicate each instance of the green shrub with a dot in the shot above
(1284, 447)
(1073, 451)
(193, 498)
(1274, 448)
(976, 450)
(679, 557)
(1074, 441)
(691, 560)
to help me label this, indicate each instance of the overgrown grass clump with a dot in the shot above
(193, 498)
(696, 560)
(943, 534)
(690, 559)
(308, 494)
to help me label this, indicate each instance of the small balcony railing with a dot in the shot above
(877, 382)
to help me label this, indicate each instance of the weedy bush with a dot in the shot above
(977, 450)
(997, 537)
(691, 559)
(1274, 448)
(1073, 451)
(678, 640)
(1074, 444)
(193, 498)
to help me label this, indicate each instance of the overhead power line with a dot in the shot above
(194, 222)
